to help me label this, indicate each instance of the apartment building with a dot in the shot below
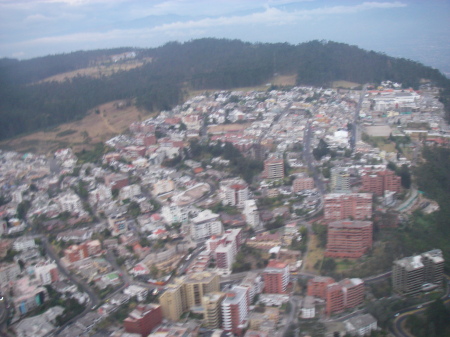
(273, 168)
(340, 180)
(206, 224)
(235, 308)
(340, 206)
(251, 213)
(46, 272)
(233, 192)
(317, 286)
(212, 315)
(414, 274)
(344, 295)
(349, 239)
(377, 182)
(302, 183)
(143, 319)
(276, 277)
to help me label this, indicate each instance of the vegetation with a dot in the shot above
(28, 105)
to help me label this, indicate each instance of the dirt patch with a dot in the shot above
(345, 84)
(97, 71)
(288, 80)
(100, 124)
(378, 130)
(314, 253)
(228, 128)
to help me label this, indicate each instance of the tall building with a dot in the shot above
(276, 277)
(413, 274)
(235, 309)
(340, 180)
(117, 223)
(317, 286)
(196, 285)
(46, 272)
(380, 181)
(143, 319)
(302, 183)
(187, 292)
(234, 192)
(225, 248)
(251, 213)
(273, 168)
(173, 301)
(349, 239)
(205, 224)
(212, 315)
(343, 295)
(340, 206)
(254, 283)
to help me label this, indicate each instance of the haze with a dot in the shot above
(417, 30)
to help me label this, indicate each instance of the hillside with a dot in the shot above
(28, 105)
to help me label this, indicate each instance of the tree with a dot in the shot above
(134, 209)
(22, 209)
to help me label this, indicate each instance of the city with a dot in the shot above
(247, 213)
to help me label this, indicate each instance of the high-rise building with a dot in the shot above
(302, 183)
(334, 299)
(234, 192)
(211, 304)
(273, 168)
(276, 277)
(340, 180)
(46, 272)
(173, 301)
(251, 213)
(317, 286)
(205, 224)
(143, 319)
(340, 206)
(413, 274)
(254, 283)
(196, 285)
(353, 290)
(349, 239)
(378, 182)
(235, 308)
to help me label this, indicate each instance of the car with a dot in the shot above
(419, 306)
(397, 314)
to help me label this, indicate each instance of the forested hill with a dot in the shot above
(198, 64)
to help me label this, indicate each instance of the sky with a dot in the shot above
(415, 29)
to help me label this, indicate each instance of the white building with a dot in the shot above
(234, 192)
(130, 191)
(24, 243)
(70, 202)
(205, 224)
(308, 308)
(9, 272)
(175, 214)
(361, 325)
(140, 292)
(235, 309)
(251, 213)
(46, 272)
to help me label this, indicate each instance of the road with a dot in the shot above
(399, 321)
(355, 128)
(309, 160)
(408, 203)
(93, 298)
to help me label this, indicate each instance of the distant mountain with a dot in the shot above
(27, 106)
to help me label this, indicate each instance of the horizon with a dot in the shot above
(412, 29)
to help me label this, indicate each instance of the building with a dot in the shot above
(46, 272)
(235, 309)
(302, 183)
(225, 248)
(117, 224)
(196, 285)
(308, 308)
(413, 274)
(361, 325)
(173, 302)
(8, 272)
(24, 243)
(211, 304)
(340, 180)
(79, 252)
(273, 168)
(175, 214)
(251, 213)
(346, 294)
(234, 192)
(129, 192)
(254, 283)
(70, 202)
(380, 181)
(206, 224)
(334, 299)
(143, 319)
(276, 277)
(349, 239)
(340, 206)
(116, 181)
(317, 286)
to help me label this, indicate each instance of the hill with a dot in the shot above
(28, 105)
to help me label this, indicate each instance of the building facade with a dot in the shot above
(349, 239)
(340, 206)
(143, 319)
(276, 277)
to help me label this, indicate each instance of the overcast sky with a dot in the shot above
(414, 29)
